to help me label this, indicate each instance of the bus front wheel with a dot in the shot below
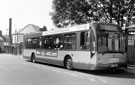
(33, 58)
(69, 64)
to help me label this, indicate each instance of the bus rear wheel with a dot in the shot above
(69, 64)
(33, 58)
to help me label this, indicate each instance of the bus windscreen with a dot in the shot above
(111, 42)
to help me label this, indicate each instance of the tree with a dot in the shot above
(70, 12)
(116, 10)
(43, 29)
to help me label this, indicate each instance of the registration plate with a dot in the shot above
(114, 60)
(114, 65)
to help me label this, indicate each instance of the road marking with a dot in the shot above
(54, 70)
(71, 74)
(66, 72)
(103, 80)
(91, 79)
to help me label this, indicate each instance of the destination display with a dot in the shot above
(108, 27)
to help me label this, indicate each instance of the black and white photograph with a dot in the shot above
(67, 42)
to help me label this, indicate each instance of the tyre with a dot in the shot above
(33, 58)
(69, 64)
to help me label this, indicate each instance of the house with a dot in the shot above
(30, 28)
(17, 38)
(2, 40)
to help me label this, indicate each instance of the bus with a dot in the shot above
(92, 46)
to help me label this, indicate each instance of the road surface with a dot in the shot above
(14, 70)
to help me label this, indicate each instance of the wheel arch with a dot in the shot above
(32, 54)
(65, 58)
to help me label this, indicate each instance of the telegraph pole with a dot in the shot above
(10, 35)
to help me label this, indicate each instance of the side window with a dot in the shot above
(40, 42)
(28, 43)
(70, 42)
(35, 42)
(122, 43)
(58, 42)
(48, 42)
(92, 42)
(32, 42)
(85, 40)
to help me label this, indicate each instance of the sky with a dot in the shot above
(24, 12)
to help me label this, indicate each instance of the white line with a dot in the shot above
(71, 74)
(103, 80)
(91, 79)
(58, 71)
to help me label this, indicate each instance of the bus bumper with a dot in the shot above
(112, 65)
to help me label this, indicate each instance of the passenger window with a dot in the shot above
(40, 42)
(70, 42)
(48, 42)
(28, 43)
(32, 43)
(35, 43)
(85, 40)
(92, 42)
(58, 41)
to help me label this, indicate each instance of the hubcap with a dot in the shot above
(33, 59)
(69, 64)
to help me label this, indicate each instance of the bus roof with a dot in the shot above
(80, 28)
(32, 35)
(67, 30)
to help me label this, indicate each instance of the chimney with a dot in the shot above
(10, 30)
